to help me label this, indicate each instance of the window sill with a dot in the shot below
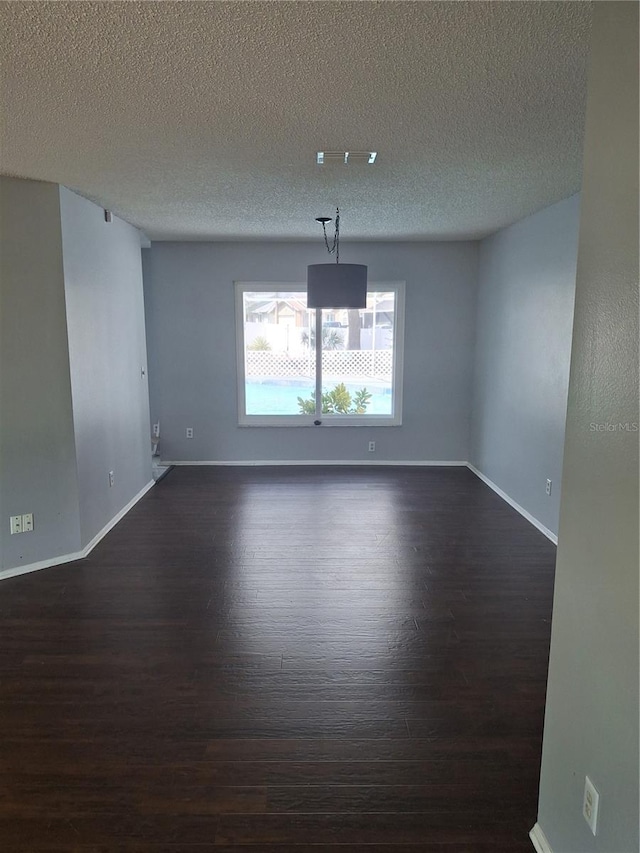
(331, 421)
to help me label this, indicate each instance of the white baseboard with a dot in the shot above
(304, 462)
(42, 564)
(523, 512)
(77, 555)
(116, 518)
(539, 840)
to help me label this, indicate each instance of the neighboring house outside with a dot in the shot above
(290, 312)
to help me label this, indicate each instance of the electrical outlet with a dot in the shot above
(548, 487)
(590, 804)
(15, 524)
(156, 430)
(27, 522)
(372, 446)
(189, 432)
(111, 478)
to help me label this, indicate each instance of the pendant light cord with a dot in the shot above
(335, 248)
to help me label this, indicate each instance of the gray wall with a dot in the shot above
(73, 404)
(189, 300)
(107, 349)
(37, 456)
(591, 721)
(526, 287)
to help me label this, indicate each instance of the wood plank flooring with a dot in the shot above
(274, 660)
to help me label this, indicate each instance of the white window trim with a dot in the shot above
(245, 420)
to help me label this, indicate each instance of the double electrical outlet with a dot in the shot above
(21, 523)
(590, 804)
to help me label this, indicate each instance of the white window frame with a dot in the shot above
(395, 419)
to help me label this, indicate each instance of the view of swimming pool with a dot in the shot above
(280, 396)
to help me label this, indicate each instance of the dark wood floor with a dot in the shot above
(282, 659)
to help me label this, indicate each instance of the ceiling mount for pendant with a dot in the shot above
(336, 285)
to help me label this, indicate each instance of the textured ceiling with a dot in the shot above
(201, 120)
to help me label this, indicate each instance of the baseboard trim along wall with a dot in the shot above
(505, 497)
(78, 555)
(539, 840)
(116, 518)
(275, 462)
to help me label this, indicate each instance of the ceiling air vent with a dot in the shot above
(346, 157)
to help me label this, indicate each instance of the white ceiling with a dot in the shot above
(199, 121)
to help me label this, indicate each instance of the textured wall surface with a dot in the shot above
(37, 455)
(526, 285)
(107, 350)
(591, 720)
(201, 120)
(189, 298)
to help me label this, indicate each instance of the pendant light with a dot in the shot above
(336, 285)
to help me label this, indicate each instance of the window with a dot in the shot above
(342, 368)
